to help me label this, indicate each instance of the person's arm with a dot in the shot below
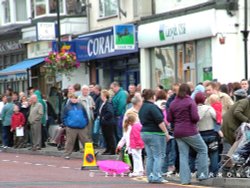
(164, 129)
(122, 103)
(212, 112)
(194, 113)
(240, 109)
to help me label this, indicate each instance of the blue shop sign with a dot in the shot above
(98, 45)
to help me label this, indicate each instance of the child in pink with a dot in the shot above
(136, 146)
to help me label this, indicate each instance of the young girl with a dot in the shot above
(17, 121)
(134, 143)
(217, 106)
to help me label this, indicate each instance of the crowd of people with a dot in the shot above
(182, 129)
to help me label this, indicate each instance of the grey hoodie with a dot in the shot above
(207, 118)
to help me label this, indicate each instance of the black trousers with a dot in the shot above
(108, 135)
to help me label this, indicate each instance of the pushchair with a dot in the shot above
(237, 161)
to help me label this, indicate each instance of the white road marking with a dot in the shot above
(15, 161)
(38, 164)
(27, 163)
(51, 165)
(66, 167)
(5, 160)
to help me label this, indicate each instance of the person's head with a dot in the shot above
(105, 95)
(9, 99)
(97, 89)
(244, 84)
(65, 93)
(33, 99)
(138, 88)
(71, 89)
(224, 89)
(129, 120)
(77, 87)
(211, 88)
(31, 90)
(191, 85)
(148, 95)
(73, 98)
(236, 86)
(159, 87)
(4, 99)
(131, 88)
(161, 95)
(21, 94)
(200, 98)
(214, 99)
(91, 87)
(14, 96)
(115, 86)
(175, 87)
(85, 90)
(184, 91)
(16, 108)
(240, 94)
(53, 91)
(24, 98)
(137, 102)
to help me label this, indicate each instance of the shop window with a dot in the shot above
(204, 60)
(107, 8)
(180, 63)
(163, 66)
(189, 63)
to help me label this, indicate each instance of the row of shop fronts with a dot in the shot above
(194, 47)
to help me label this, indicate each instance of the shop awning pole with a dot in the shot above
(58, 25)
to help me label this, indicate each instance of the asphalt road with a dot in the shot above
(27, 171)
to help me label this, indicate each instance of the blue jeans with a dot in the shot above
(170, 158)
(118, 128)
(213, 155)
(196, 142)
(155, 146)
(6, 135)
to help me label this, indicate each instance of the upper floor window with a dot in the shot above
(108, 8)
(47, 7)
(14, 11)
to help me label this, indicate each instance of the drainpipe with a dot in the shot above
(58, 25)
(245, 33)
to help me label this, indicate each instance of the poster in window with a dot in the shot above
(124, 37)
(207, 73)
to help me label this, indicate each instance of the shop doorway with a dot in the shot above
(133, 77)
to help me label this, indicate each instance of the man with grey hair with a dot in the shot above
(35, 120)
(87, 101)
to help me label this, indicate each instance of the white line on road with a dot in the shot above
(27, 163)
(5, 160)
(51, 165)
(38, 164)
(66, 167)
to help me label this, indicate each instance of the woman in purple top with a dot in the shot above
(184, 115)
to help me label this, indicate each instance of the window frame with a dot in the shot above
(47, 9)
(103, 15)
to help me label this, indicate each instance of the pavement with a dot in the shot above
(53, 152)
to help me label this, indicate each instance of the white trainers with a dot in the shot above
(135, 174)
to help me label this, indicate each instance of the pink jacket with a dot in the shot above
(135, 137)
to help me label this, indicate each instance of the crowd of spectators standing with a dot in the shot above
(179, 129)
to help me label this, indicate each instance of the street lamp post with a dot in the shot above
(245, 33)
(58, 25)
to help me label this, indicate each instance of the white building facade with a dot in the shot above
(193, 41)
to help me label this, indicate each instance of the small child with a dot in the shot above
(17, 121)
(134, 144)
(217, 106)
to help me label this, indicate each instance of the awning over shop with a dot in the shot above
(19, 69)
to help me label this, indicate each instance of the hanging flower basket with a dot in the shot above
(61, 63)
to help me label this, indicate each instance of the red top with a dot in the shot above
(217, 106)
(17, 119)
